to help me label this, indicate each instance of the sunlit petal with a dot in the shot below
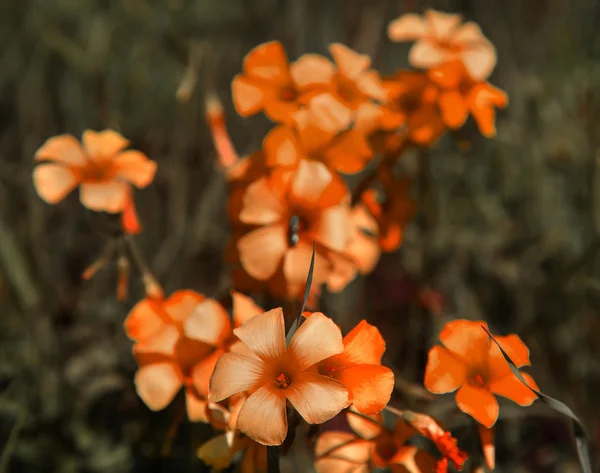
(315, 397)
(445, 372)
(234, 373)
(103, 145)
(63, 149)
(108, 196)
(135, 167)
(53, 182)
(157, 384)
(262, 250)
(264, 334)
(316, 339)
(478, 403)
(263, 417)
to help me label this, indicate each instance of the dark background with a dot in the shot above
(508, 229)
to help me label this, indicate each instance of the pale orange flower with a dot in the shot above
(271, 84)
(276, 373)
(290, 210)
(168, 358)
(323, 133)
(440, 38)
(467, 361)
(359, 368)
(392, 211)
(101, 168)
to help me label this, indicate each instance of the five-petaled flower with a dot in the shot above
(101, 168)
(470, 362)
(275, 373)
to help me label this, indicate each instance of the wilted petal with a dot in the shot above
(53, 182)
(263, 417)
(370, 386)
(63, 149)
(350, 63)
(209, 323)
(103, 145)
(407, 28)
(316, 339)
(315, 397)
(157, 384)
(445, 372)
(108, 196)
(249, 96)
(135, 167)
(264, 334)
(234, 373)
(268, 61)
(478, 403)
(311, 71)
(261, 206)
(261, 251)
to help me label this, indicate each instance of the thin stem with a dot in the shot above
(153, 288)
(273, 455)
(396, 412)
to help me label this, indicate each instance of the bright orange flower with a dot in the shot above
(168, 358)
(275, 373)
(271, 84)
(292, 210)
(104, 172)
(359, 368)
(467, 361)
(440, 38)
(322, 133)
(393, 211)
(361, 254)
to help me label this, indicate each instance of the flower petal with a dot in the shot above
(454, 109)
(442, 25)
(108, 196)
(264, 334)
(196, 408)
(262, 250)
(343, 445)
(487, 443)
(209, 323)
(407, 28)
(157, 384)
(516, 350)
(216, 452)
(281, 147)
(163, 341)
(311, 71)
(103, 145)
(250, 96)
(182, 304)
(316, 398)
(53, 182)
(135, 167)
(316, 339)
(63, 149)
(466, 339)
(144, 320)
(478, 403)
(349, 63)
(261, 206)
(369, 386)
(445, 372)
(202, 372)
(410, 459)
(334, 228)
(268, 61)
(281, 111)
(364, 344)
(234, 373)
(349, 153)
(511, 388)
(425, 54)
(263, 417)
(328, 114)
(244, 308)
(365, 428)
(297, 262)
(480, 61)
(309, 182)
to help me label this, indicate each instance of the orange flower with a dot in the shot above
(441, 38)
(271, 84)
(393, 211)
(322, 133)
(467, 361)
(215, 116)
(168, 358)
(292, 210)
(101, 168)
(359, 368)
(371, 445)
(275, 373)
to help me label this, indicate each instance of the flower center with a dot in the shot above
(477, 381)
(287, 94)
(96, 172)
(283, 380)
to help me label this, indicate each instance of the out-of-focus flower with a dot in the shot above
(101, 168)
(271, 84)
(322, 133)
(440, 38)
(290, 210)
(392, 211)
(215, 116)
(168, 358)
(467, 361)
(359, 368)
(275, 373)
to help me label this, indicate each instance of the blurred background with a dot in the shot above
(508, 229)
